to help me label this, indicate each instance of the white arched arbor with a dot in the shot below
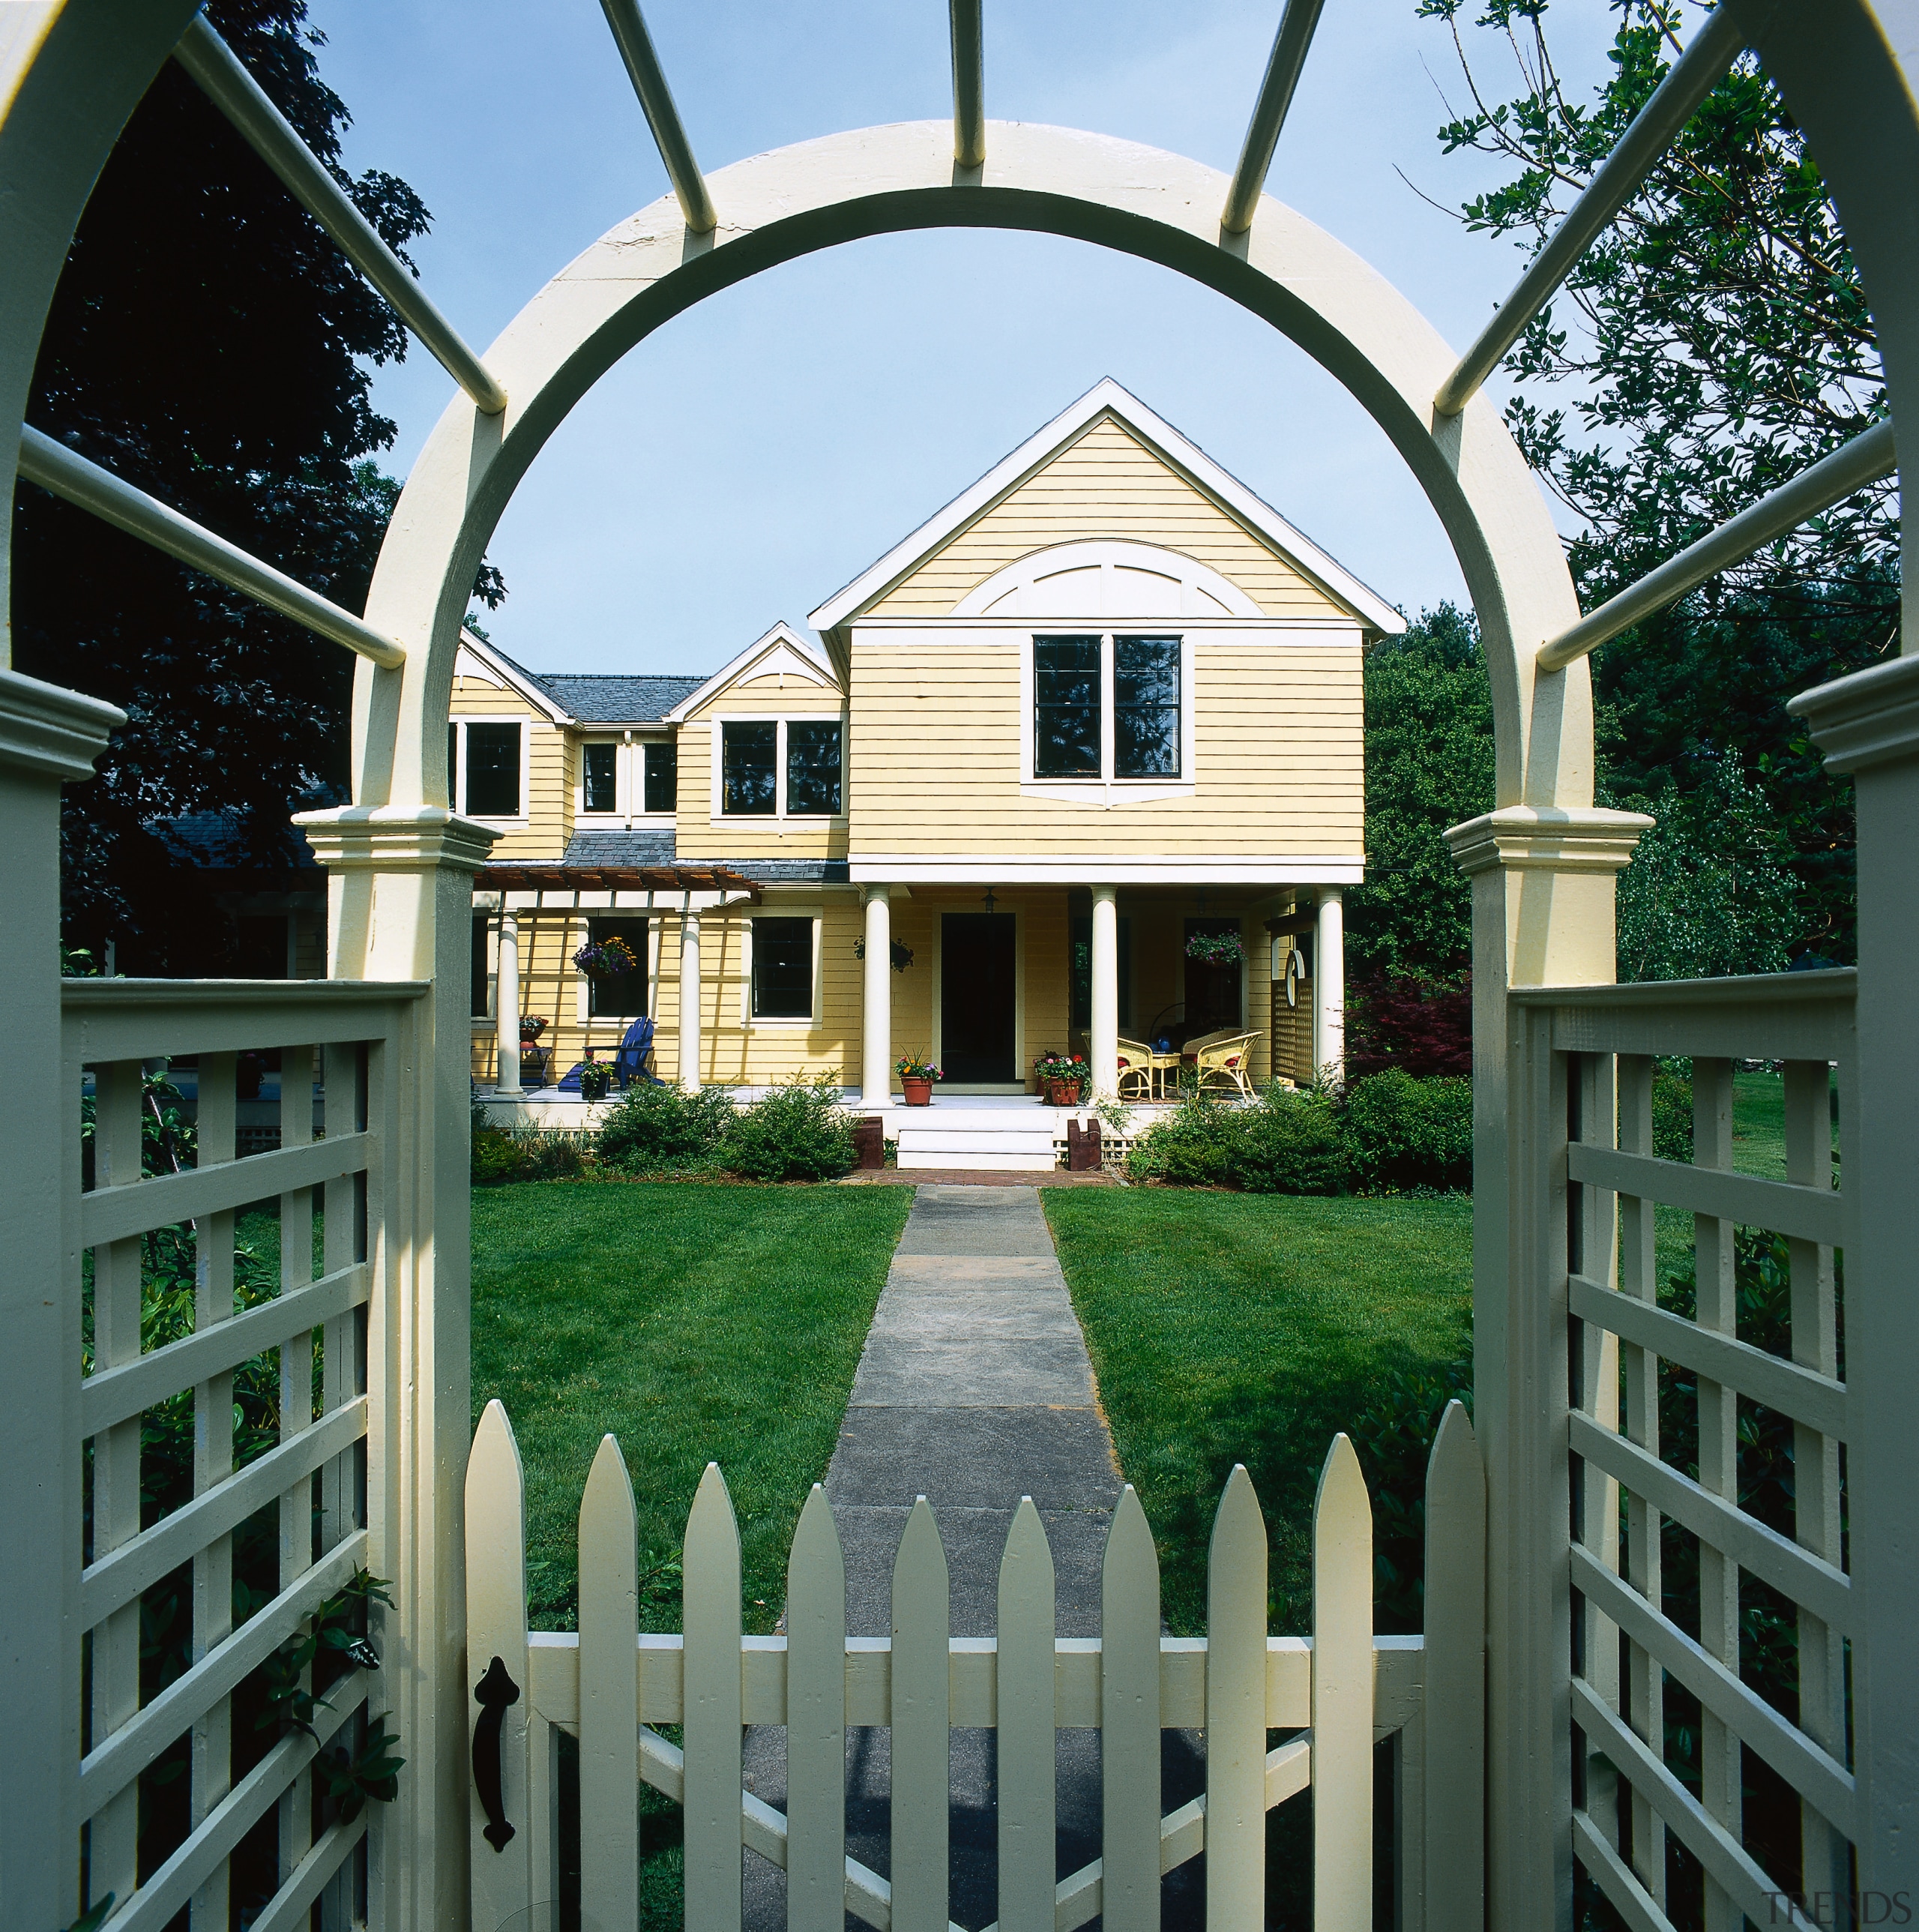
(1543, 863)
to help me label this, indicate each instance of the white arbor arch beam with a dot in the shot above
(1138, 200)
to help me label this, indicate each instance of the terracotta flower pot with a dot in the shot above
(918, 1092)
(1063, 1093)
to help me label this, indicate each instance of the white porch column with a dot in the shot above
(1105, 1014)
(689, 1000)
(1329, 985)
(876, 1051)
(506, 1005)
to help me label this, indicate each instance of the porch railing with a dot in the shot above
(1695, 1621)
(1340, 1691)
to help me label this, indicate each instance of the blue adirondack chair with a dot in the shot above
(629, 1059)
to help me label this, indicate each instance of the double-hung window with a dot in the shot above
(1107, 708)
(599, 776)
(781, 767)
(483, 768)
(662, 775)
(782, 969)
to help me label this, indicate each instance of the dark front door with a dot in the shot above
(976, 997)
(1213, 990)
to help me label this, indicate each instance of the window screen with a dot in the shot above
(749, 758)
(626, 997)
(812, 766)
(1146, 707)
(602, 781)
(492, 771)
(1065, 707)
(783, 969)
(663, 777)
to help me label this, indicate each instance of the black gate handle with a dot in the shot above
(494, 1693)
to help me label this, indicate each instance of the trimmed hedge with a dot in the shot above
(1387, 1134)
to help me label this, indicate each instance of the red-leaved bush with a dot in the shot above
(1418, 1024)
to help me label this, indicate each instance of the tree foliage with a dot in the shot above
(1428, 765)
(1712, 344)
(209, 344)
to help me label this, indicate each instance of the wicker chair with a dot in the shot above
(1142, 1072)
(1224, 1059)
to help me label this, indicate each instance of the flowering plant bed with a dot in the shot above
(1217, 949)
(910, 1066)
(606, 959)
(1068, 1068)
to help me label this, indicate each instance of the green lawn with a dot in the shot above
(1240, 1328)
(697, 1323)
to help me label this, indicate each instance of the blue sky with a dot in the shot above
(758, 452)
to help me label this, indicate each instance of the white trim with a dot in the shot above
(1011, 588)
(500, 673)
(779, 815)
(1103, 793)
(1102, 868)
(460, 721)
(1106, 397)
(1317, 633)
(804, 657)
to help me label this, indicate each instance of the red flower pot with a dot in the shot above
(1063, 1093)
(918, 1092)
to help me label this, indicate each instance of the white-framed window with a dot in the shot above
(620, 779)
(1110, 710)
(487, 767)
(779, 768)
(600, 787)
(780, 980)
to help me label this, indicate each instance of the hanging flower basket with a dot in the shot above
(1217, 949)
(606, 959)
(531, 1027)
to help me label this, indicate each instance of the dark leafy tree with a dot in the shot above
(209, 344)
(1714, 343)
(1428, 765)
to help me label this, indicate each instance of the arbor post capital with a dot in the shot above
(395, 838)
(1869, 718)
(1555, 838)
(55, 732)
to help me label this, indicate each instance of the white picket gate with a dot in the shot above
(1343, 1689)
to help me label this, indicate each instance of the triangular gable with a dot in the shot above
(478, 661)
(781, 652)
(1108, 442)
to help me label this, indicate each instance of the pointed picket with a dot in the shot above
(1236, 1712)
(921, 1709)
(816, 1723)
(503, 1879)
(609, 1697)
(710, 1594)
(1341, 1696)
(1454, 1678)
(1028, 1736)
(1130, 1721)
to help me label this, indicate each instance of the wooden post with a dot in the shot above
(1236, 1711)
(1105, 1029)
(1453, 1719)
(876, 1048)
(1342, 1695)
(48, 737)
(923, 1624)
(816, 1723)
(506, 1005)
(1329, 987)
(689, 999)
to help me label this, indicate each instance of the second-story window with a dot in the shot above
(1065, 707)
(600, 777)
(662, 780)
(749, 768)
(1107, 707)
(483, 769)
(813, 767)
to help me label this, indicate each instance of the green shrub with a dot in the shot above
(796, 1132)
(1193, 1146)
(1289, 1143)
(500, 1155)
(664, 1129)
(1672, 1111)
(1401, 1133)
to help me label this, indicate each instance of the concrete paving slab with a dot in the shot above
(1041, 1372)
(974, 1459)
(958, 1314)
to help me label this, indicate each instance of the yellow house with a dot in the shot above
(1061, 747)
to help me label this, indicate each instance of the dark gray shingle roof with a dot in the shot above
(618, 848)
(597, 699)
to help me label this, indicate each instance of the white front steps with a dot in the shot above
(1013, 1139)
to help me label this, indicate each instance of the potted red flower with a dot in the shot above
(916, 1079)
(1062, 1078)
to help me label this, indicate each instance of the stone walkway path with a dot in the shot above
(974, 1389)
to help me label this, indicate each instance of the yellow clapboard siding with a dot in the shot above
(1107, 485)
